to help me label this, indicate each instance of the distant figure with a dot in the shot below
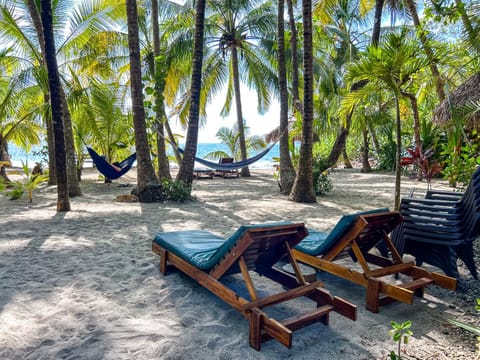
(37, 169)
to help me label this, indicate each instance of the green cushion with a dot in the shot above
(201, 248)
(318, 243)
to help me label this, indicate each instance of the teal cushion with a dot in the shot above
(318, 243)
(201, 248)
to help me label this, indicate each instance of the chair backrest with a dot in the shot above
(228, 160)
(261, 246)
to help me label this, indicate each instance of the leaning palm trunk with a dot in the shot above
(428, 50)
(238, 102)
(63, 201)
(185, 174)
(302, 190)
(287, 172)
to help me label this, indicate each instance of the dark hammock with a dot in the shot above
(234, 165)
(104, 167)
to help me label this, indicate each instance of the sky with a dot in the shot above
(257, 124)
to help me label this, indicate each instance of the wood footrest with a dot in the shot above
(297, 322)
(417, 284)
(391, 269)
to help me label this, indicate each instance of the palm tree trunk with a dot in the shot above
(163, 165)
(412, 8)
(302, 190)
(377, 22)
(73, 181)
(398, 167)
(293, 45)
(366, 168)
(346, 159)
(238, 102)
(339, 143)
(287, 172)
(148, 189)
(4, 157)
(185, 174)
(373, 136)
(63, 201)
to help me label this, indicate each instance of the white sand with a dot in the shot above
(85, 284)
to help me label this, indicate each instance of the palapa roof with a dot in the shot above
(467, 92)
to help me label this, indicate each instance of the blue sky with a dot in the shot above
(258, 124)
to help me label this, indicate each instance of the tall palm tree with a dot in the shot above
(239, 28)
(159, 76)
(148, 189)
(390, 66)
(63, 201)
(302, 190)
(287, 172)
(185, 173)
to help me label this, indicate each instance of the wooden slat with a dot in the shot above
(392, 269)
(276, 330)
(283, 296)
(293, 262)
(297, 322)
(255, 325)
(247, 278)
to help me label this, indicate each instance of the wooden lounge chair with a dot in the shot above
(206, 258)
(227, 173)
(354, 236)
(442, 227)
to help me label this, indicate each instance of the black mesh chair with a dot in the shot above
(441, 227)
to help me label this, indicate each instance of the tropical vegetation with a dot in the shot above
(356, 80)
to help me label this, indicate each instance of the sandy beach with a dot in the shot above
(86, 285)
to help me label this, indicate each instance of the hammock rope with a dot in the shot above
(106, 169)
(234, 165)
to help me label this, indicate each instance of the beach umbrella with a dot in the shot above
(465, 94)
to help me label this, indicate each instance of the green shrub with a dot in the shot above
(16, 192)
(321, 182)
(176, 190)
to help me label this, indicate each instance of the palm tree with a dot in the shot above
(302, 190)
(185, 173)
(287, 172)
(148, 189)
(389, 66)
(63, 201)
(230, 137)
(239, 27)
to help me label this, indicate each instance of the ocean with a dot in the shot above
(18, 155)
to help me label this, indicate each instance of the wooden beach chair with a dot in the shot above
(227, 173)
(354, 237)
(206, 258)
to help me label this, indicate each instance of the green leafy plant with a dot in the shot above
(324, 184)
(321, 182)
(176, 190)
(400, 333)
(30, 181)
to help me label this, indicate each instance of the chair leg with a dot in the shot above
(465, 253)
(373, 293)
(255, 335)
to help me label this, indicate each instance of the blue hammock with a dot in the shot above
(234, 165)
(104, 167)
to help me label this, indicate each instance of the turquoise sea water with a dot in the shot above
(18, 155)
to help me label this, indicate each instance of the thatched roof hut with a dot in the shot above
(466, 93)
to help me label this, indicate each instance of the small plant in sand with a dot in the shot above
(473, 329)
(30, 181)
(400, 333)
